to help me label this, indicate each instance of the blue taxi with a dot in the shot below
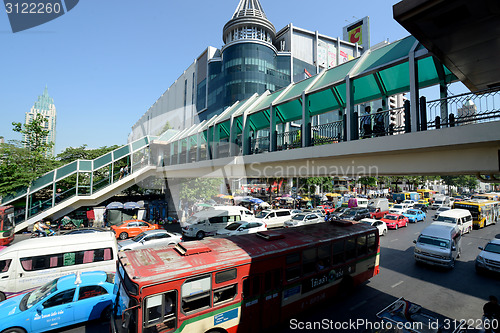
(68, 300)
(415, 215)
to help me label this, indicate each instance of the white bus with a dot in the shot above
(34, 262)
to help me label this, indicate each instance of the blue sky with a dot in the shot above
(107, 61)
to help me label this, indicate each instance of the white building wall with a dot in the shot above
(303, 47)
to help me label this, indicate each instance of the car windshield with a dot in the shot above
(262, 214)
(372, 209)
(446, 219)
(444, 243)
(349, 212)
(494, 248)
(38, 294)
(299, 217)
(139, 237)
(442, 209)
(391, 217)
(233, 226)
(411, 212)
(366, 222)
(398, 207)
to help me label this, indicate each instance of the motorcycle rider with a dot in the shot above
(39, 229)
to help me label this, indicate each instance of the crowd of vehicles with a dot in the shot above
(202, 287)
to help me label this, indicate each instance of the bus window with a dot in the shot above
(371, 243)
(292, 258)
(338, 252)
(278, 281)
(225, 276)
(292, 273)
(361, 245)
(225, 294)
(324, 254)
(268, 281)
(255, 285)
(196, 294)
(161, 309)
(350, 248)
(309, 261)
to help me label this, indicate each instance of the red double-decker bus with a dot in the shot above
(246, 283)
(6, 225)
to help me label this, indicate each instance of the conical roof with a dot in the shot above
(249, 14)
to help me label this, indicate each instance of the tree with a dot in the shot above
(367, 181)
(199, 189)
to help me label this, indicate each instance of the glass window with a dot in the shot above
(196, 294)
(338, 252)
(324, 254)
(371, 243)
(350, 248)
(224, 276)
(292, 258)
(225, 294)
(309, 261)
(61, 298)
(91, 291)
(4, 265)
(361, 245)
(161, 309)
(292, 273)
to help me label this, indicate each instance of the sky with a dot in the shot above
(106, 62)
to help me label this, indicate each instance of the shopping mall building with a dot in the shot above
(255, 58)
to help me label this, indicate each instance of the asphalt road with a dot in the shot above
(459, 293)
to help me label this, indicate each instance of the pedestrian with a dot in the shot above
(122, 171)
(39, 229)
(379, 127)
(491, 310)
(366, 123)
(125, 170)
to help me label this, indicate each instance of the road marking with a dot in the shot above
(397, 284)
(393, 240)
(469, 243)
(417, 233)
(357, 305)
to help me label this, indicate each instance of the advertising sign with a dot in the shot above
(358, 32)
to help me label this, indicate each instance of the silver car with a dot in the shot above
(150, 238)
(304, 219)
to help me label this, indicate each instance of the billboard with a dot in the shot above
(358, 32)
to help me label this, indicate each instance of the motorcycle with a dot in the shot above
(49, 232)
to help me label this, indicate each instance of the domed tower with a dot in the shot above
(249, 22)
(249, 61)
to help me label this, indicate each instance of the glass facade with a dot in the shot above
(245, 69)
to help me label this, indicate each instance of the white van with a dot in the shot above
(33, 262)
(462, 218)
(439, 244)
(440, 201)
(207, 222)
(274, 218)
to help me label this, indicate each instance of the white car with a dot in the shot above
(439, 211)
(150, 238)
(242, 228)
(304, 219)
(489, 257)
(398, 209)
(380, 225)
(409, 203)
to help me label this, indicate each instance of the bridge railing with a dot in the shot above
(259, 145)
(289, 140)
(327, 133)
(464, 109)
(381, 123)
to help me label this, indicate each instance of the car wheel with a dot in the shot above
(123, 236)
(397, 227)
(14, 330)
(106, 313)
(2, 296)
(452, 265)
(384, 232)
(200, 235)
(406, 224)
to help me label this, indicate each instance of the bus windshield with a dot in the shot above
(446, 219)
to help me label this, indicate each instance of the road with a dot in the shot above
(459, 293)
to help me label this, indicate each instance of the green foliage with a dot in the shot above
(165, 128)
(71, 154)
(199, 188)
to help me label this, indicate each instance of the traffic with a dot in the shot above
(225, 265)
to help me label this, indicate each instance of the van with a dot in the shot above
(378, 207)
(440, 201)
(34, 262)
(439, 244)
(274, 218)
(357, 202)
(207, 222)
(461, 218)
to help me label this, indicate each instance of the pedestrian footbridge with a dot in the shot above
(280, 135)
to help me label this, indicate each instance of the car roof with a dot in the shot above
(495, 241)
(86, 278)
(369, 220)
(157, 231)
(394, 214)
(455, 212)
(439, 229)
